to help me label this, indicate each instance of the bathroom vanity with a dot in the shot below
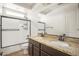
(51, 46)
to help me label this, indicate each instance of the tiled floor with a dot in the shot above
(19, 53)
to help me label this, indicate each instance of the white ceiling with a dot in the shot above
(43, 8)
(26, 5)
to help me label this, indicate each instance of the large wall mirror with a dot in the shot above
(64, 20)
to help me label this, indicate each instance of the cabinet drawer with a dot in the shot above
(35, 43)
(51, 51)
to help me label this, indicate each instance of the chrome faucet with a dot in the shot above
(62, 37)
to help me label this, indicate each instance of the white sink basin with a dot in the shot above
(59, 43)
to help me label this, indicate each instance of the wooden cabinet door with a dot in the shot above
(44, 53)
(36, 51)
(30, 48)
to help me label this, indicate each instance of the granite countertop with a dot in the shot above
(72, 49)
